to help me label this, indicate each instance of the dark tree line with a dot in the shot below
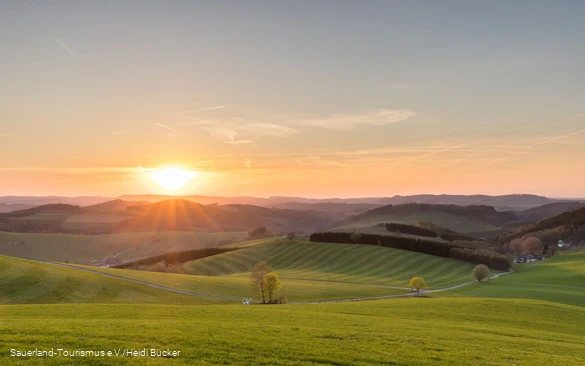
(455, 250)
(176, 257)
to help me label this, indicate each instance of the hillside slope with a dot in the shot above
(558, 279)
(457, 218)
(28, 282)
(552, 209)
(87, 248)
(550, 230)
(347, 263)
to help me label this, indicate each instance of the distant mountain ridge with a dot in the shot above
(184, 215)
(480, 213)
(501, 203)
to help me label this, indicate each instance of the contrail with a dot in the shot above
(63, 45)
(433, 153)
(197, 110)
(518, 151)
(167, 127)
(141, 168)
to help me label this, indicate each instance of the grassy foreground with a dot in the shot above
(390, 332)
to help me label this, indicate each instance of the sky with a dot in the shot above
(297, 98)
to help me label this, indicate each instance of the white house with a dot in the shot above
(563, 244)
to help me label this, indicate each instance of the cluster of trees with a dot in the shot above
(258, 233)
(531, 245)
(265, 281)
(456, 250)
(175, 257)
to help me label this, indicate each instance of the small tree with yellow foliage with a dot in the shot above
(273, 285)
(417, 283)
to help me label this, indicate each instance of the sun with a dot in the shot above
(172, 179)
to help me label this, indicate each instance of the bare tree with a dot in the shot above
(356, 238)
(532, 245)
(516, 246)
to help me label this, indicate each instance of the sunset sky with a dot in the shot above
(304, 98)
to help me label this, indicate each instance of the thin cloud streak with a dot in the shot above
(197, 110)
(15, 136)
(352, 121)
(519, 150)
(167, 127)
(66, 47)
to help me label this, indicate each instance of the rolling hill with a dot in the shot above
(552, 209)
(558, 279)
(456, 218)
(125, 246)
(347, 263)
(29, 282)
(183, 215)
(568, 225)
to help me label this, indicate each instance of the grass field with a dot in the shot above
(85, 248)
(443, 219)
(25, 281)
(387, 332)
(239, 287)
(347, 263)
(525, 318)
(558, 279)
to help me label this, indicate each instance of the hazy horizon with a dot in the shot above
(312, 99)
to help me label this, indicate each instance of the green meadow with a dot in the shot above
(29, 282)
(48, 306)
(411, 331)
(559, 279)
(361, 264)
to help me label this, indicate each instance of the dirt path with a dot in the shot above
(170, 289)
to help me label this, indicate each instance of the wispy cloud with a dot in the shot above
(197, 110)
(440, 151)
(163, 126)
(72, 52)
(238, 131)
(351, 121)
(14, 136)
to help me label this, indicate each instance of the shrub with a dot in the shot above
(481, 272)
(356, 238)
